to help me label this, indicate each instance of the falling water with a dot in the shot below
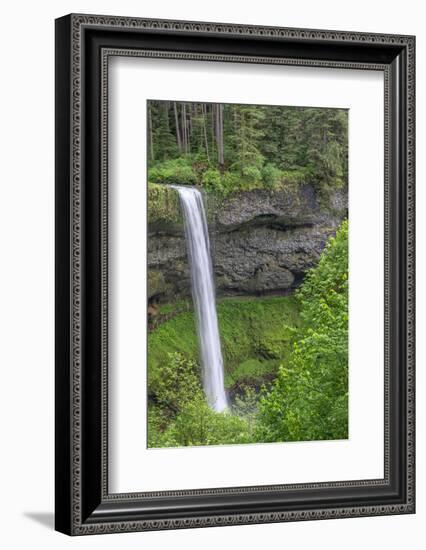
(203, 292)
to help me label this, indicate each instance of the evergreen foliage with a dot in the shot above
(218, 145)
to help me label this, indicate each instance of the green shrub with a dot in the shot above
(246, 406)
(197, 424)
(271, 175)
(212, 180)
(178, 171)
(230, 181)
(296, 177)
(252, 174)
(180, 382)
(157, 423)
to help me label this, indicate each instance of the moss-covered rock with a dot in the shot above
(156, 283)
(163, 207)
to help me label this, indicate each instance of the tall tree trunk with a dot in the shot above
(166, 114)
(212, 111)
(204, 113)
(189, 130)
(220, 135)
(183, 127)
(184, 130)
(178, 136)
(216, 128)
(151, 140)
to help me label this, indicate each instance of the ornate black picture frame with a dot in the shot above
(84, 43)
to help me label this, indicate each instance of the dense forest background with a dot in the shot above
(274, 181)
(225, 147)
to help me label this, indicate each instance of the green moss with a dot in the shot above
(177, 335)
(251, 371)
(163, 204)
(156, 283)
(174, 307)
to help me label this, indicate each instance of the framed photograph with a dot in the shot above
(234, 274)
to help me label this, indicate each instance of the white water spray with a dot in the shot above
(203, 292)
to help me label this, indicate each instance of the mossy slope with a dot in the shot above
(256, 336)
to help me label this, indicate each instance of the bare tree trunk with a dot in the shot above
(178, 137)
(189, 130)
(213, 129)
(184, 130)
(204, 113)
(151, 141)
(216, 129)
(166, 111)
(183, 127)
(219, 138)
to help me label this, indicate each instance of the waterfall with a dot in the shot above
(203, 293)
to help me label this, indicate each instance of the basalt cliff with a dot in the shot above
(262, 241)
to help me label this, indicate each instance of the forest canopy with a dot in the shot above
(226, 147)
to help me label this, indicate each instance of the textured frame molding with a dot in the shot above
(83, 504)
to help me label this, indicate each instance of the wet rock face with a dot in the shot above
(266, 259)
(262, 242)
(260, 207)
